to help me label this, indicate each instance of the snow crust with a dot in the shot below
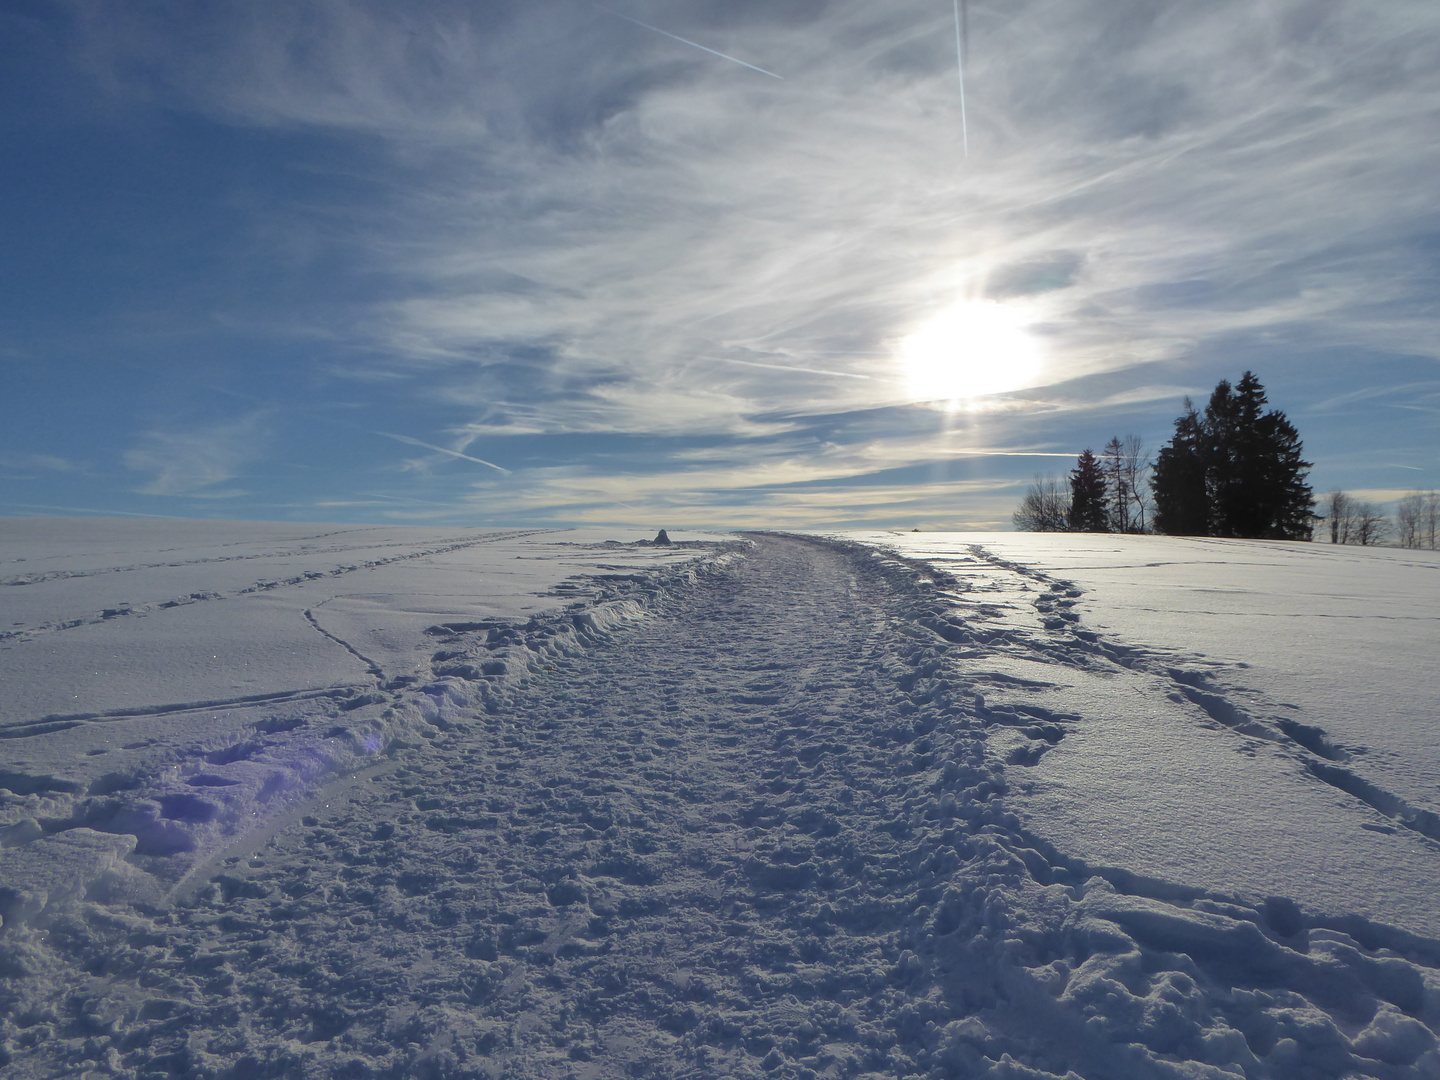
(399, 802)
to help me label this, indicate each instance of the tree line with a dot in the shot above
(1234, 469)
(1358, 521)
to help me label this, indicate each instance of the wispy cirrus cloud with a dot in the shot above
(23, 462)
(1191, 176)
(194, 461)
(550, 222)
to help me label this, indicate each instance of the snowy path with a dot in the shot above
(761, 831)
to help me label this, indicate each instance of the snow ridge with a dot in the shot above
(746, 820)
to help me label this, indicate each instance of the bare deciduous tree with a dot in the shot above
(1045, 507)
(1126, 469)
(1337, 507)
(1408, 514)
(1136, 466)
(1417, 519)
(1370, 524)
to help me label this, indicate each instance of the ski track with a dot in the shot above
(752, 825)
(408, 553)
(1309, 744)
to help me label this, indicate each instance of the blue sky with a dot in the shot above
(507, 263)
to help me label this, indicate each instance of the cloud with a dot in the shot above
(1156, 186)
(585, 228)
(43, 462)
(192, 462)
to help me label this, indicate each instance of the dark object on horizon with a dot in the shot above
(1233, 471)
(662, 539)
(1089, 509)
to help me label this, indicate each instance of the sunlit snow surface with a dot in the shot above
(283, 800)
(139, 652)
(1261, 718)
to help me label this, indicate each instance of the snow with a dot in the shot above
(1303, 754)
(322, 801)
(226, 630)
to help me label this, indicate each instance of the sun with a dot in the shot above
(973, 349)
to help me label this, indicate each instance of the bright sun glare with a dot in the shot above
(975, 348)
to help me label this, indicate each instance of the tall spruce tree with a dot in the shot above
(1235, 471)
(1292, 502)
(1182, 498)
(1089, 508)
(1244, 502)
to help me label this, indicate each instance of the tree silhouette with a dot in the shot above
(1409, 512)
(1135, 466)
(1372, 526)
(1045, 507)
(1182, 498)
(1089, 511)
(1117, 485)
(1235, 471)
(1338, 512)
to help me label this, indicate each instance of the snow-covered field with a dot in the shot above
(283, 800)
(1252, 717)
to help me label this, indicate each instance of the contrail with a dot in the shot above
(692, 44)
(91, 510)
(442, 450)
(960, 66)
(803, 370)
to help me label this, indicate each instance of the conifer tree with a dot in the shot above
(1182, 498)
(1235, 471)
(1089, 510)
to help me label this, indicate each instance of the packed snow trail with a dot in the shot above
(757, 833)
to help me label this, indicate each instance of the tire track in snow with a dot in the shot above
(21, 729)
(21, 580)
(761, 832)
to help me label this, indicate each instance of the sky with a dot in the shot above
(671, 263)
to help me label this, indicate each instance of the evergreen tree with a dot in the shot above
(1182, 497)
(1289, 497)
(1236, 471)
(1089, 510)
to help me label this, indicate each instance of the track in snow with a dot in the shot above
(757, 833)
